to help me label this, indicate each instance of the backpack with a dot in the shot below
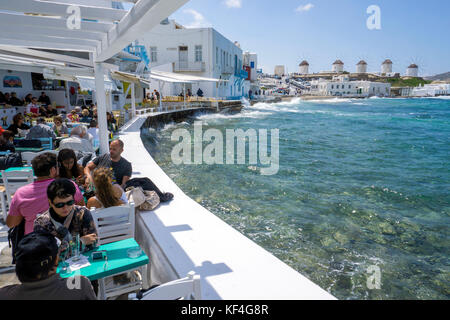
(11, 160)
(32, 143)
(14, 236)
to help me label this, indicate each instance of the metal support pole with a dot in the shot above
(69, 106)
(133, 100)
(160, 96)
(101, 107)
(184, 90)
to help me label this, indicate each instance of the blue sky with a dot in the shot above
(412, 31)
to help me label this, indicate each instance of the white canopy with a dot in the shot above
(180, 78)
(88, 83)
(103, 29)
(86, 32)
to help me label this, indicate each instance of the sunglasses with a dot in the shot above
(61, 205)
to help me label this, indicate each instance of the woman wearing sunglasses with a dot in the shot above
(64, 219)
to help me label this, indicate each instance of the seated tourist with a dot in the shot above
(73, 116)
(51, 111)
(33, 107)
(44, 99)
(85, 116)
(61, 193)
(31, 200)
(40, 130)
(69, 168)
(14, 101)
(7, 98)
(112, 123)
(18, 124)
(107, 194)
(43, 111)
(93, 130)
(37, 259)
(59, 127)
(91, 110)
(78, 141)
(122, 169)
(7, 141)
(27, 99)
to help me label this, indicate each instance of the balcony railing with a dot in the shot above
(227, 70)
(189, 66)
(244, 74)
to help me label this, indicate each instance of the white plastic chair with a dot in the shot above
(114, 223)
(13, 180)
(187, 288)
(29, 156)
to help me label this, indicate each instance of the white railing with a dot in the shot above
(227, 69)
(190, 66)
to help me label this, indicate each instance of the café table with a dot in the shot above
(24, 149)
(17, 169)
(117, 262)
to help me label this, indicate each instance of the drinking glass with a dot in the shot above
(64, 264)
(76, 247)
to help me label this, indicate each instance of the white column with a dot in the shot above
(101, 107)
(133, 100)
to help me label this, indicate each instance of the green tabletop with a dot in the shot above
(118, 261)
(21, 149)
(17, 169)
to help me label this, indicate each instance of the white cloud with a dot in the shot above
(233, 3)
(199, 20)
(305, 7)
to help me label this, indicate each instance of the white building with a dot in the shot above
(338, 66)
(361, 67)
(412, 71)
(431, 90)
(279, 71)
(202, 52)
(386, 66)
(250, 61)
(304, 67)
(340, 86)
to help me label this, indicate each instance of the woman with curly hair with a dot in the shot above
(106, 194)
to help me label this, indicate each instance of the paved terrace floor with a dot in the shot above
(192, 238)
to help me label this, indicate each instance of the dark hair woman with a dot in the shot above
(6, 141)
(28, 98)
(69, 168)
(106, 194)
(18, 120)
(111, 121)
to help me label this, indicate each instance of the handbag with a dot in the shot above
(11, 160)
(151, 201)
(14, 236)
(143, 200)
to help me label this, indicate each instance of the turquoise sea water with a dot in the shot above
(361, 183)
